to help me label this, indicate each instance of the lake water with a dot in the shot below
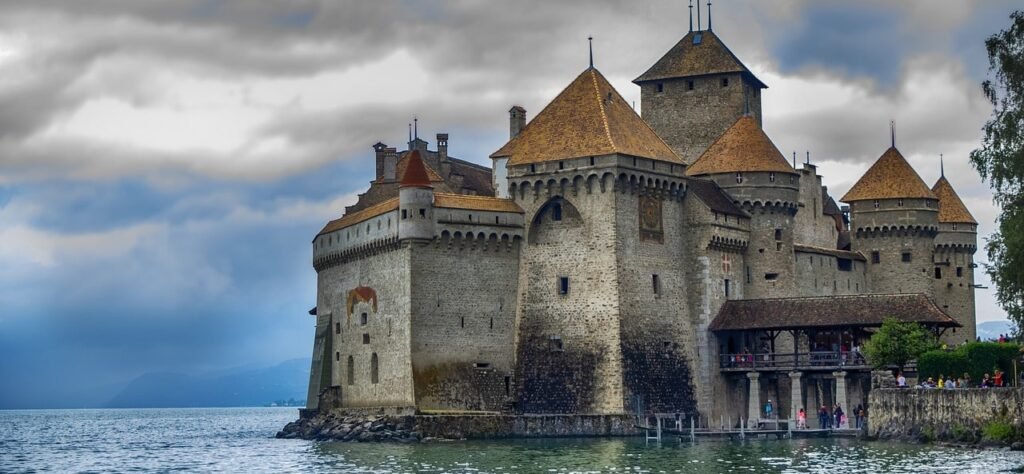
(241, 440)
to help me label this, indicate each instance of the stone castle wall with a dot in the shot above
(942, 414)
(819, 274)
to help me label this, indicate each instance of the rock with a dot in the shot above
(1017, 446)
(364, 436)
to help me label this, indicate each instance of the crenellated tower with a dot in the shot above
(955, 245)
(415, 201)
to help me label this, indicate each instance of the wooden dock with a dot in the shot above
(657, 432)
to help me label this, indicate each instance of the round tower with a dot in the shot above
(893, 223)
(953, 274)
(746, 164)
(415, 201)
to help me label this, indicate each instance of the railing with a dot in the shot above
(803, 360)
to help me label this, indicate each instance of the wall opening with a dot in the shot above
(374, 377)
(938, 273)
(771, 276)
(363, 319)
(778, 234)
(727, 287)
(337, 328)
(555, 344)
(405, 213)
(845, 264)
(656, 284)
(423, 213)
(659, 87)
(563, 285)
(689, 85)
(556, 212)
(875, 257)
(366, 338)
(351, 371)
(482, 365)
(959, 271)
(906, 257)
(508, 386)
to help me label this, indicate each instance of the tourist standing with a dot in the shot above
(998, 382)
(858, 414)
(823, 417)
(837, 413)
(901, 381)
(768, 409)
(801, 420)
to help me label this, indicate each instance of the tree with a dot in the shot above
(897, 343)
(1000, 160)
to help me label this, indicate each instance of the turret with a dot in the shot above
(750, 169)
(415, 201)
(516, 124)
(893, 222)
(955, 245)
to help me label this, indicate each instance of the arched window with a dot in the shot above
(351, 374)
(373, 368)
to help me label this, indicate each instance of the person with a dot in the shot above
(998, 381)
(858, 415)
(823, 417)
(801, 420)
(967, 380)
(950, 383)
(768, 409)
(985, 381)
(837, 413)
(901, 381)
(942, 381)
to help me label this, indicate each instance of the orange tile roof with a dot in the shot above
(482, 203)
(404, 162)
(951, 208)
(891, 177)
(685, 59)
(415, 175)
(587, 118)
(360, 216)
(744, 147)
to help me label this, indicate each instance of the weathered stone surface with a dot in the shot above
(935, 414)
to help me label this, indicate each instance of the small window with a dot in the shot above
(875, 257)
(337, 356)
(739, 178)
(374, 373)
(845, 264)
(591, 161)
(659, 87)
(405, 214)
(899, 202)
(771, 276)
(959, 271)
(938, 273)
(556, 212)
(906, 257)
(482, 365)
(351, 371)
(337, 328)
(423, 213)
(778, 234)
(725, 82)
(727, 287)
(555, 343)
(496, 221)
(954, 226)
(778, 246)
(533, 168)
(470, 217)
(876, 204)
(563, 285)
(656, 284)
(366, 338)
(363, 319)
(771, 177)
(508, 386)
(561, 165)
(749, 278)
(689, 85)
(462, 322)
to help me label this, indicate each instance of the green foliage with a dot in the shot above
(998, 431)
(976, 359)
(897, 343)
(1000, 160)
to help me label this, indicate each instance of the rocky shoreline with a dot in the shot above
(353, 428)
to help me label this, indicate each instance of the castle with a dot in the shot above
(610, 263)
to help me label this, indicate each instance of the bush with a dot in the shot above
(976, 359)
(998, 431)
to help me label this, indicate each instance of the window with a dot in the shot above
(938, 273)
(351, 371)
(959, 271)
(363, 319)
(591, 161)
(771, 276)
(556, 212)
(725, 82)
(778, 246)
(875, 257)
(563, 285)
(374, 378)
(845, 264)
(876, 204)
(482, 365)
(462, 322)
(561, 165)
(748, 275)
(555, 344)
(727, 287)
(905, 257)
(366, 338)
(423, 213)
(655, 284)
(508, 386)
(954, 226)
(899, 202)
(659, 87)
(405, 214)
(337, 328)
(689, 85)
(739, 178)
(771, 177)
(496, 220)
(337, 356)
(533, 168)
(491, 324)
(778, 234)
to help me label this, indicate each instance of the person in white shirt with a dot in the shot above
(901, 381)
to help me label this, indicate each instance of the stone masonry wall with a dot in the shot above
(819, 275)
(953, 290)
(941, 414)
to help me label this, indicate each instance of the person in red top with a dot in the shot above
(998, 382)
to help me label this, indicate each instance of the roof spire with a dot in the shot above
(892, 132)
(590, 39)
(942, 167)
(698, 15)
(415, 127)
(410, 136)
(691, 16)
(709, 15)
(794, 159)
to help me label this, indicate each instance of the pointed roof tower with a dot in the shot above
(587, 118)
(891, 177)
(744, 147)
(415, 175)
(951, 209)
(699, 53)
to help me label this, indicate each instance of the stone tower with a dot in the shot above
(746, 164)
(415, 201)
(954, 261)
(696, 91)
(893, 222)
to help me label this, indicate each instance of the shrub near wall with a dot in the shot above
(976, 359)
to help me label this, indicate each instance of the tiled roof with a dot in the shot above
(828, 311)
(686, 59)
(744, 147)
(833, 252)
(482, 203)
(712, 196)
(415, 174)
(951, 208)
(891, 177)
(587, 118)
(359, 216)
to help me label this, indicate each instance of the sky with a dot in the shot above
(164, 165)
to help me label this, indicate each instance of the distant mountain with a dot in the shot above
(231, 388)
(992, 329)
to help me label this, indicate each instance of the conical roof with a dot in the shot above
(891, 177)
(415, 175)
(951, 208)
(587, 118)
(698, 53)
(744, 147)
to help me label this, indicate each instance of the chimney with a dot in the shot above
(516, 121)
(390, 163)
(378, 151)
(442, 146)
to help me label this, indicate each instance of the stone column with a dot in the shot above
(754, 401)
(796, 396)
(841, 390)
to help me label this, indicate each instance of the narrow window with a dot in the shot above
(689, 85)
(834, 285)
(556, 344)
(496, 220)
(876, 204)
(563, 285)
(374, 378)
(491, 324)
(482, 365)
(899, 202)
(771, 177)
(659, 87)
(634, 161)
(771, 276)
(739, 178)
(561, 165)
(954, 226)
(778, 246)
(389, 326)
(508, 386)
(423, 213)
(405, 214)
(748, 275)
(351, 371)
(533, 168)
(875, 257)
(556, 212)
(366, 338)
(337, 356)
(591, 161)
(470, 217)
(462, 322)
(656, 284)
(938, 273)
(363, 319)
(778, 234)
(959, 271)
(337, 328)
(727, 287)
(905, 257)
(725, 82)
